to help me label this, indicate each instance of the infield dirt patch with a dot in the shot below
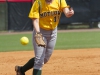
(62, 62)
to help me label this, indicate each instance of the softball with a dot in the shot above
(24, 40)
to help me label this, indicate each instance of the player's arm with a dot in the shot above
(36, 24)
(38, 36)
(66, 9)
(34, 15)
(68, 12)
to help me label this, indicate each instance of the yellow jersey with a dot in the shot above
(48, 14)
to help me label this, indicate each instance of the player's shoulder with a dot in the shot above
(38, 0)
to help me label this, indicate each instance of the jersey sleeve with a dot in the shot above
(63, 4)
(34, 12)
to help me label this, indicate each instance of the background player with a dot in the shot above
(45, 15)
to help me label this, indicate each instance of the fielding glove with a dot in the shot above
(39, 40)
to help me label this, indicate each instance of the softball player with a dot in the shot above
(45, 15)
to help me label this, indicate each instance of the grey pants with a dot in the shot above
(42, 55)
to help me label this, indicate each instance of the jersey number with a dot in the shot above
(56, 18)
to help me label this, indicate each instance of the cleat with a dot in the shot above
(18, 70)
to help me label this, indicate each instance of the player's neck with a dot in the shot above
(49, 1)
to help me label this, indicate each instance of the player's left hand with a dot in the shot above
(39, 40)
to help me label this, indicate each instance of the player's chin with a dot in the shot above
(48, 0)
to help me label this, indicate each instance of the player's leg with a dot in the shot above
(49, 50)
(39, 57)
(51, 44)
(20, 70)
(28, 65)
(42, 55)
(37, 72)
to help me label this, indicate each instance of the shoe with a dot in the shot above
(18, 70)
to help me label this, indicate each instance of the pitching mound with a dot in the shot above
(62, 62)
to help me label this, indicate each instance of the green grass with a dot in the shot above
(12, 42)
(66, 40)
(72, 40)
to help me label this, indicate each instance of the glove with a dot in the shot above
(39, 40)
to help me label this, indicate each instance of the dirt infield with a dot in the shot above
(62, 62)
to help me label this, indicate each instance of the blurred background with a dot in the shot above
(14, 15)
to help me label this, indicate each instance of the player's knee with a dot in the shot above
(38, 63)
(46, 60)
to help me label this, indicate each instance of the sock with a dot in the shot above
(28, 65)
(37, 72)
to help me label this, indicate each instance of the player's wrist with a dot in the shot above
(38, 32)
